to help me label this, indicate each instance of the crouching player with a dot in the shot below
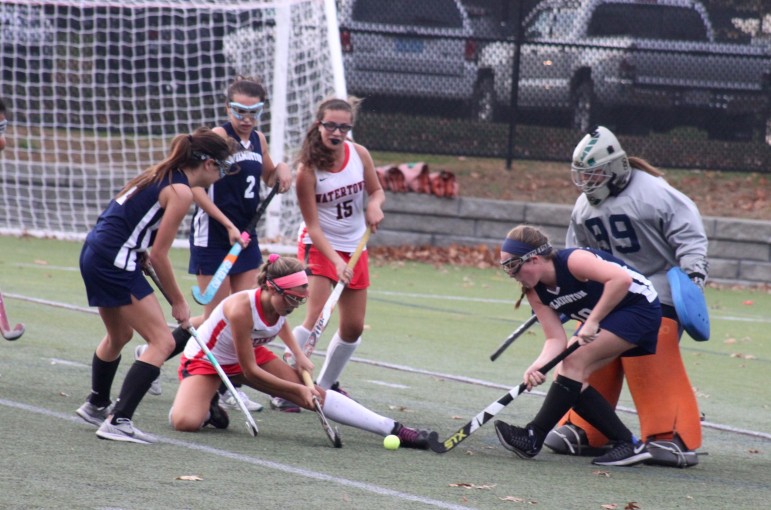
(236, 333)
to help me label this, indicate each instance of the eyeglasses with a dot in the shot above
(291, 298)
(512, 266)
(332, 126)
(241, 111)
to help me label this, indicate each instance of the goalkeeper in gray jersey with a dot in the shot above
(629, 210)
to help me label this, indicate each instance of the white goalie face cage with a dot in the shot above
(600, 167)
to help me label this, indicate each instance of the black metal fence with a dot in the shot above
(684, 84)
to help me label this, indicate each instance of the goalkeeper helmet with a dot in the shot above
(600, 167)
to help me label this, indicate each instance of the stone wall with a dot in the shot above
(739, 250)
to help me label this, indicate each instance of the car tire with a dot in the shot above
(483, 102)
(584, 106)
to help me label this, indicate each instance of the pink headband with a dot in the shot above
(297, 279)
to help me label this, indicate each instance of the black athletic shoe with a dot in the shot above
(218, 417)
(336, 387)
(411, 438)
(624, 454)
(521, 441)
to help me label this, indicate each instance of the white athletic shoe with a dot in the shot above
(155, 387)
(92, 414)
(124, 430)
(229, 401)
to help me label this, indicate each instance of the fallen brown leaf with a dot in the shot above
(632, 505)
(606, 474)
(467, 485)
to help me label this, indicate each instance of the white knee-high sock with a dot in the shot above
(343, 410)
(301, 336)
(338, 354)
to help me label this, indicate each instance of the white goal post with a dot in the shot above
(96, 89)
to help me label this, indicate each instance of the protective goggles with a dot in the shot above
(291, 298)
(513, 265)
(241, 111)
(332, 126)
(226, 167)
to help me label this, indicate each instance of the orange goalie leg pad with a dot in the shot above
(608, 381)
(662, 392)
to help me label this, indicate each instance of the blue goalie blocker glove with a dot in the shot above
(690, 304)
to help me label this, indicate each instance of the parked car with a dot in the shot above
(27, 39)
(406, 48)
(653, 61)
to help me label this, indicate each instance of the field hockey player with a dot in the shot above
(237, 332)
(621, 314)
(142, 221)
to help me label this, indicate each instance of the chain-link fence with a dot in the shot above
(684, 83)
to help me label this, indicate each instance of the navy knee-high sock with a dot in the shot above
(562, 395)
(138, 380)
(102, 377)
(593, 407)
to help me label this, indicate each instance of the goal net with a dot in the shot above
(96, 89)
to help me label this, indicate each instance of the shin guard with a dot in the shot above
(662, 392)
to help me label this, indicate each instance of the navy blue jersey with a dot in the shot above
(129, 223)
(237, 196)
(576, 299)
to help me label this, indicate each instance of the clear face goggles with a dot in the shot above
(226, 167)
(243, 112)
(292, 299)
(512, 266)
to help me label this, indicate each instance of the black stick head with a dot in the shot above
(435, 444)
(252, 429)
(13, 334)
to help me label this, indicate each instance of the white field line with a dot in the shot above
(249, 459)
(436, 297)
(403, 368)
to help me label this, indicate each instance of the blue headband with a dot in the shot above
(524, 250)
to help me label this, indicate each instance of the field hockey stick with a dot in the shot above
(329, 306)
(516, 334)
(230, 259)
(332, 433)
(490, 411)
(225, 379)
(150, 271)
(5, 328)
